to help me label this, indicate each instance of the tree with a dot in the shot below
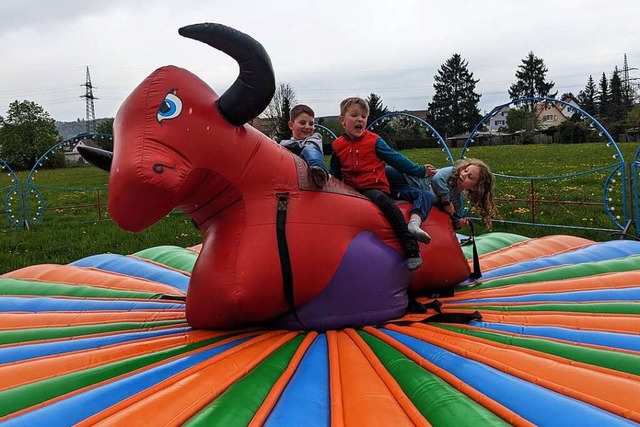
(531, 83)
(454, 106)
(587, 97)
(376, 107)
(26, 134)
(633, 118)
(617, 108)
(521, 119)
(376, 110)
(105, 127)
(603, 97)
(282, 127)
(278, 109)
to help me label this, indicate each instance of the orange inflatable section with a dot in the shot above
(72, 275)
(618, 280)
(566, 377)
(366, 398)
(498, 409)
(49, 367)
(531, 249)
(165, 402)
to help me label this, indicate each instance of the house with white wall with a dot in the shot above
(499, 119)
(569, 110)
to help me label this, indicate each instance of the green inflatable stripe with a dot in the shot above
(565, 272)
(25, 396)
(490, 242)
(435, 399)
(598, 307)
(35, 334)
(171, 256)
(28, 287)
(239, 403)
(622, 362)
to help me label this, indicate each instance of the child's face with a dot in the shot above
(354, 121)
(469, 178)
(302, 126)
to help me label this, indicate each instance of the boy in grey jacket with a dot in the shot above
(307, 144)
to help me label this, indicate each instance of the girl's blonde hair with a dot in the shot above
(481, 197)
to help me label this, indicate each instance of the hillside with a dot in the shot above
(69, 129)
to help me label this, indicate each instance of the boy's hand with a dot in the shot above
(430, 170)
(449, 208)
(462, 222)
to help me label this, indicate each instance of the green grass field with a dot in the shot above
(72, 226)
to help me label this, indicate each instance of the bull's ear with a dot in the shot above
(253, 89)
(97, 157)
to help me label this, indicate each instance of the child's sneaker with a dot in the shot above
(319, 176)
(419, 233)
(414, 262)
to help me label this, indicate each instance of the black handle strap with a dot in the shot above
(283, 253)
(476, 273)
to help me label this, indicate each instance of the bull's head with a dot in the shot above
(169, 131)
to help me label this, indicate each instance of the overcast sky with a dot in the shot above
(327, 50)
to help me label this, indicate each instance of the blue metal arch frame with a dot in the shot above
(617, 169)
(326, 129)
(14, 190)
(32, 189)
(441, 141)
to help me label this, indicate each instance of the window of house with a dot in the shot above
(499, 122)
(549, 117)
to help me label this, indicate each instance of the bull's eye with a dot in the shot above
(170, 108)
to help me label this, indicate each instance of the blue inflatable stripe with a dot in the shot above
(36, 305)
(607, 339)
(592, 253)
(625, 294)
(33, 351)
(136, 268)
(534, 403)
(305, 401)
(76, 408)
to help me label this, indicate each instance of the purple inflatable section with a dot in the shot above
(381, 296)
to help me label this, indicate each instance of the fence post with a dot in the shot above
(632, 208)
(99, 205)
(532, 197)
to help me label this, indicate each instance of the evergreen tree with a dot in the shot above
(617, 110)
(603, 97)
(105, 127)
(531, 83)
(26, 134)
(454, 106)
(376, 108)
(282, 127)
(587, 97)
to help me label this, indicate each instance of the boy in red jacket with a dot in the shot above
(359, 158)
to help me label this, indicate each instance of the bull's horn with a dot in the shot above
(96, 156)
(253, 89)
